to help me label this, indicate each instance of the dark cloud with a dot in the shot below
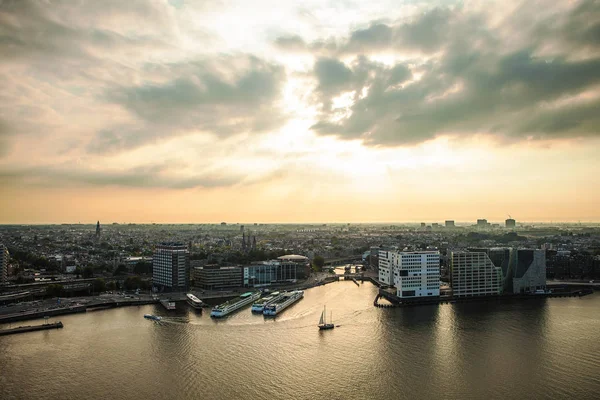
(291, 43)
(469, 88)
(75, 33)
(228, 95)
(332, 74)
(149, 176)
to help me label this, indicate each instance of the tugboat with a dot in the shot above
(323, 325)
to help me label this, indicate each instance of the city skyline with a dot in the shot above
(299, 112)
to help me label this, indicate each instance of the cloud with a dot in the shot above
(146, 176)
(224, 96)
(290, 43)
(467, 88)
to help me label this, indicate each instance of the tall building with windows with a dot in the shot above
(3, 264)
(414, 274)
(170, 267)
(474, 274)
(510, 223)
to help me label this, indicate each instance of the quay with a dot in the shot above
(31, 328)
(397, 302)
(81, 308)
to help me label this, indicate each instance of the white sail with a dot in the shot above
(321, 322)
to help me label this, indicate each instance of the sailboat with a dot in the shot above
(323, 321)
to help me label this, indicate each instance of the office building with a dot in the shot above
(482, 223)
(215, 277)
(474, 274)
(170, 267)
(414, 274)
(276, 271)
(511, 223)
(3, 264)
(530, 273)
(449, 224)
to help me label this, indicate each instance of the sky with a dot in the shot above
(299, 111)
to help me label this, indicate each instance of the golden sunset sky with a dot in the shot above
(299, 111)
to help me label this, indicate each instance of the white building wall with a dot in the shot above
(417, 274)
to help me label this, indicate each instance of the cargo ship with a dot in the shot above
(283, 302)
(232, 305)
(194, 301)
(259, 305)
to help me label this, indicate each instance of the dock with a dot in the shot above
(31, 328)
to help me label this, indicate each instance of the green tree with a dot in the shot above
(133, 282)
(99, 285)
(121, 270)
(54, 290)
(88, 272)
(318, 263)
(111, 285)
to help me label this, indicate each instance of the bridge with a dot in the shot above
(342, 260)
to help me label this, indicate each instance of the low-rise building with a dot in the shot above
(215, 277)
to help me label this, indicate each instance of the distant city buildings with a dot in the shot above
(449, 224)
(3, 263)
(510, 223)
(413, 274)
(474, 274)
(98, 229)
(482, 223)
(170, 267)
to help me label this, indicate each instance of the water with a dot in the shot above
(533, 349)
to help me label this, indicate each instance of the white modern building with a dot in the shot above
(170, 267)
(474, 274)
(414, 274)
(3, 264)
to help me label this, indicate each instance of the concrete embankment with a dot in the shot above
(32, 328)
(27, 315)
(397, 302)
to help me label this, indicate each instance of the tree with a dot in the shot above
(88, 272)
(78, 272)
(54, 290)
(99, 285)
(133, 282)
(121, 270)
(318, 263)
(111, 285)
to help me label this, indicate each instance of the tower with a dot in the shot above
(98, 228)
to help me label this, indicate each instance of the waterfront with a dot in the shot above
(543, 348)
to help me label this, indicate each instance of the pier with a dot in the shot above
(31, 328)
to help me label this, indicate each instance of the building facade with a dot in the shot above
(170, 267)
(449, 224)
(3, 264)
(215, 277)
(414, 274)
(474, 274)
(510, 223)
(530, 274)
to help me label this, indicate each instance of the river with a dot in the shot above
(543, 348)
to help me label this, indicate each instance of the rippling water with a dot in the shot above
(534, 349)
